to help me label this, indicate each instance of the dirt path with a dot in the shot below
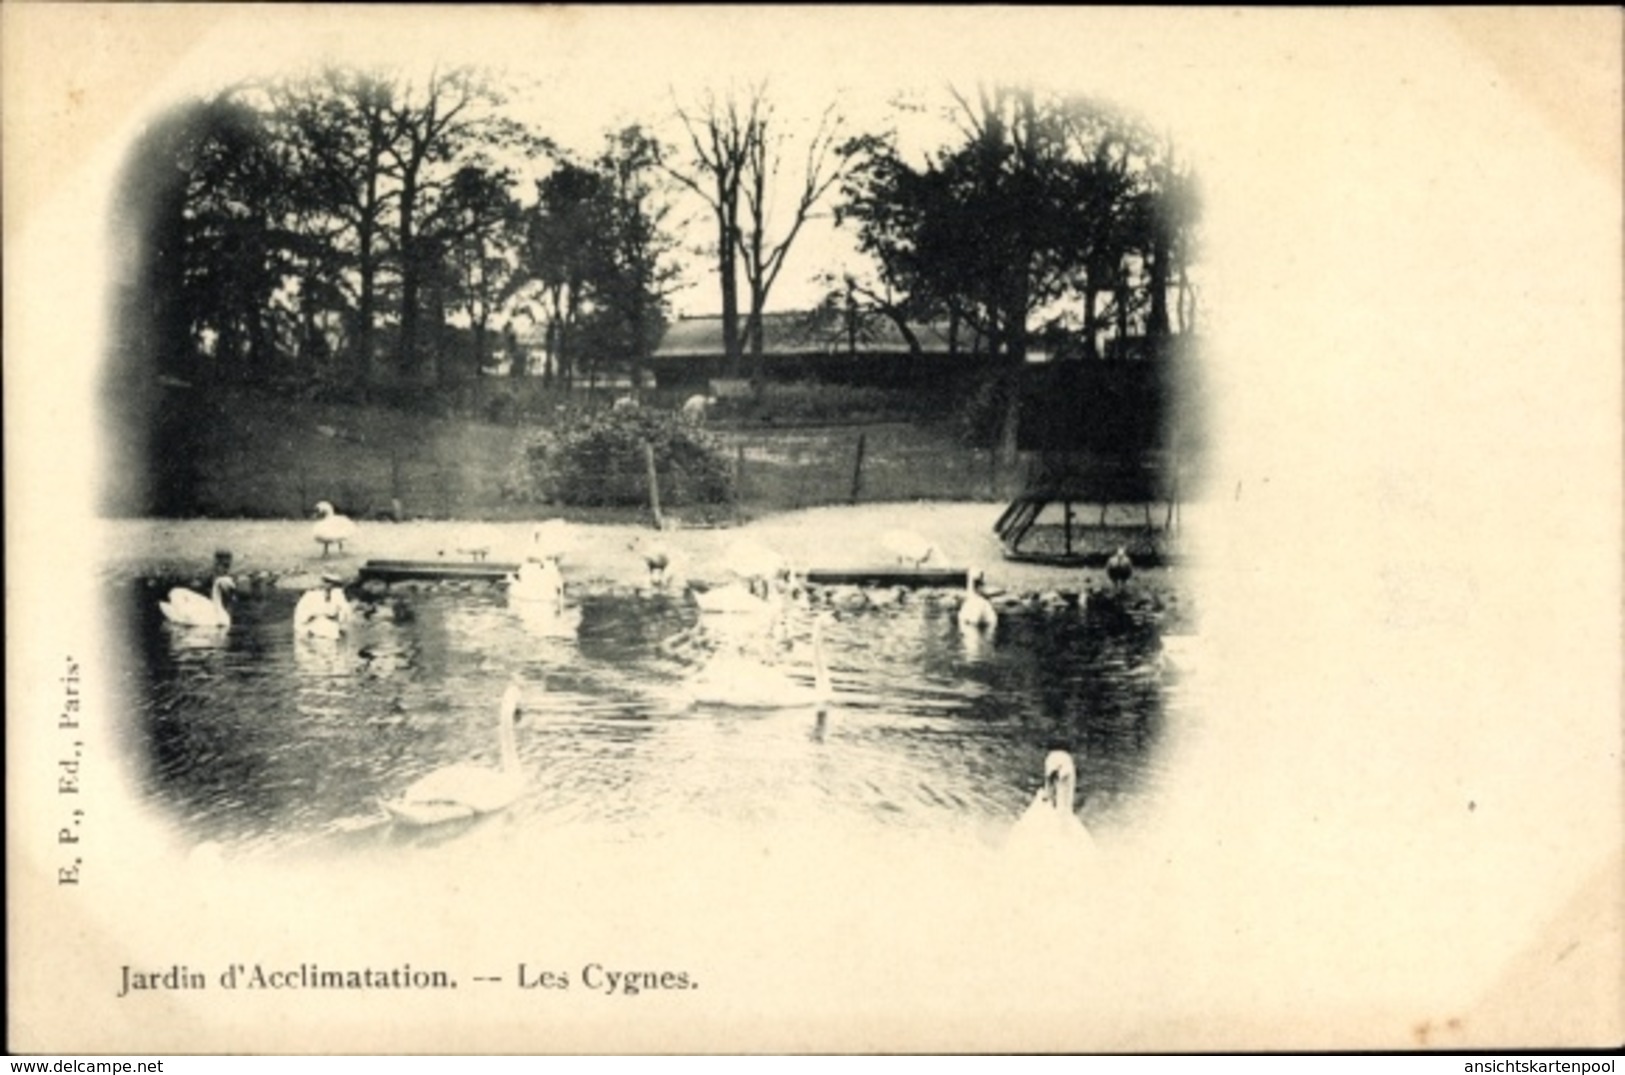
(599, 554)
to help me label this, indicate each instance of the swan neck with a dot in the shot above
(508, 740)
(821, 681)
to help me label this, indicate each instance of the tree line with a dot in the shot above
(367, 232)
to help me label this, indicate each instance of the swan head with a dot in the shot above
(511, 697)
(323, 509)
(1060, 778)
(225, 583)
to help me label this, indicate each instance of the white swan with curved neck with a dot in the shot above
(464, 791)
(976, 613)
(332, 528)
(188, 608)
(1049, 827)
(735, 679)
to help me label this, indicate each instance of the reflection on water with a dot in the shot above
(263, 742)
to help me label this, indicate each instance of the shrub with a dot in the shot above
(979, 420)
(596, 459)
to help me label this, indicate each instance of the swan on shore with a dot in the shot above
(908, 547)
(188, 608)
(463, 791)
(332, 528)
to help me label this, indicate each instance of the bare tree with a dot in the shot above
(720, 133)
(763, 258)
(740, 150)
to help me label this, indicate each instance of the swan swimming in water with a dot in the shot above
(188, 608)
(323, 612)
(464, 791)
(976, 613)
(733, 598)
(537, 580)
(332, 528)
(1049, 827)
(735, 679)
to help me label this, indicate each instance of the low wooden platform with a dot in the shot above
(887, 575)
(435, 570)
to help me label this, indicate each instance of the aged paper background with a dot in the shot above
(1401, 823)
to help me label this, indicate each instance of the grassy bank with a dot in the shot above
(249, 455)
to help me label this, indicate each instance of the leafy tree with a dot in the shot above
(334, 125)
(564, 252)
(1042, 202)
(598, 245)
(436, 128)
(477, 225)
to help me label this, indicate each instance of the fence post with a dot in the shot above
(857, 470)
(395, 480)
(654, 484)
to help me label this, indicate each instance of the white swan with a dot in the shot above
(537, 580)
(976, 613)
(189, 608)
(464, 791)
(735, 679)
(735, 598)
(1049, 827)
(332, 528)
(323, 612)
(910, 548)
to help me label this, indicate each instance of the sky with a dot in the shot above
(578, 74)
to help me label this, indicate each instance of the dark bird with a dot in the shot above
(1119, 568)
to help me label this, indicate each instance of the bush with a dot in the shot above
(596, 459)
(979, 420)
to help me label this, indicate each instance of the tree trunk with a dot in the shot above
(406, 355)
(726, 270)
(1157, 324)
(754, 341)
(1091, 323)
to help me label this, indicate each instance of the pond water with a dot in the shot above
(265, 744)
